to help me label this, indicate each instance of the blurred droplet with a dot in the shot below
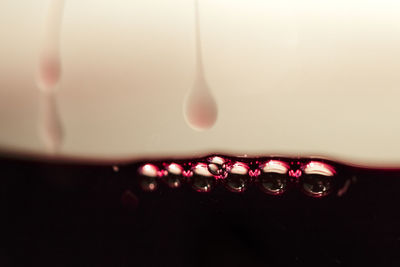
(49, 69)
(48, 76)
(148, 184)
(50, 127)
(148, 177)
(174, 175)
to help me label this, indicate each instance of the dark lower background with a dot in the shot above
(80, 215)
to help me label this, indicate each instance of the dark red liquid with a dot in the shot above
(69, 214)
(274, 176)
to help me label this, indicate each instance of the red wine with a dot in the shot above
(209, 211)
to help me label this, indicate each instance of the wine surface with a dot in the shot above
(209, 211)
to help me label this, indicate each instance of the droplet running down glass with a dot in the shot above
(199, 108)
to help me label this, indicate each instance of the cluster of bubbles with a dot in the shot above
(272, 176)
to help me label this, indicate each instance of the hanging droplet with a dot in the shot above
(238, 178)
(200, 108)
(202, 180)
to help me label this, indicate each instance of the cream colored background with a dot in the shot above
(301, 78)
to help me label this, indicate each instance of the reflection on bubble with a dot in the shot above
(315, 167)
(275, 166)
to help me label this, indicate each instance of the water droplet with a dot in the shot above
(50, 126)
(202, 180)
(200, 108)
(237, 180)
(316, 185)
(174, 175)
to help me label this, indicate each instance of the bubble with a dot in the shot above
(202, 180)
(148, 177)
(273, 178)
(273, 183)
(173, 177)
(237, 179)
(316, 185)
(318, 178)
(218, 167)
